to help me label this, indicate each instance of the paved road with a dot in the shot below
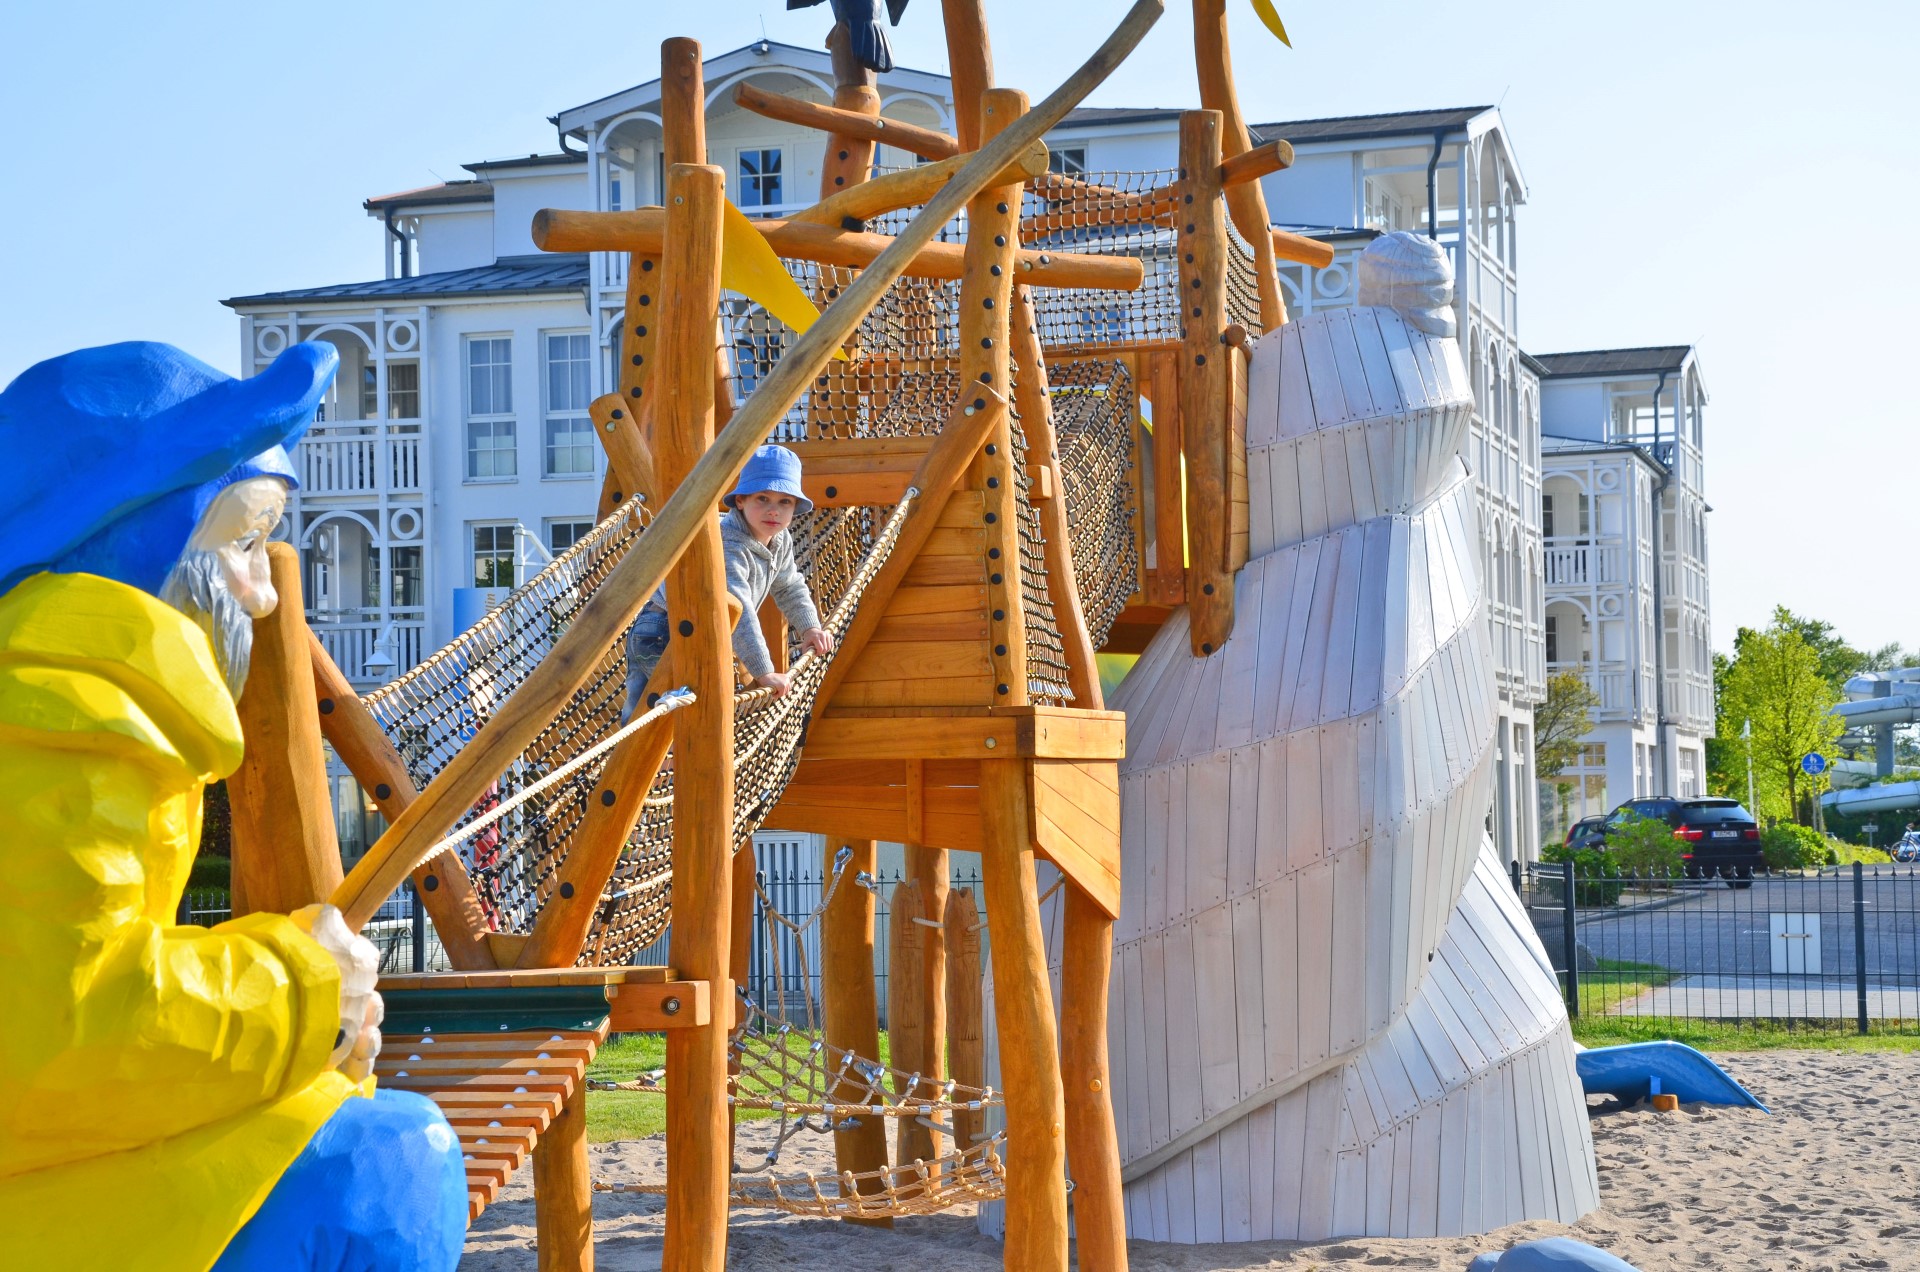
(1720, 940)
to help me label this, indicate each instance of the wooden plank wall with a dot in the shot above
(1301, 814)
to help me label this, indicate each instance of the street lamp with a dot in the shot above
(1746, 731)
(380, 663)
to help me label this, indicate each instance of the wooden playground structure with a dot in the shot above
(989, 514)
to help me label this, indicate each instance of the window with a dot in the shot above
(562, 535)
(491, 439)
(760, 178)
(1068, 163)
(404, 567)
(403, 391)
(493, 555)
(568, 440)
(370, 577)
(1553, 639)
(613, 189)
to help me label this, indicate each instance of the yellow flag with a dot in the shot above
(750, 266)
(1271, 17)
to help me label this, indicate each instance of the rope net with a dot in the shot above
(790, 1071)
(433, 710)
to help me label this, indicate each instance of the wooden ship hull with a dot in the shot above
(1328, 1015)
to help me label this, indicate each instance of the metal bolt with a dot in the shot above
(670, 1007)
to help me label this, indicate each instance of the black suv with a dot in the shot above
(1718, 836)
(1588, 832)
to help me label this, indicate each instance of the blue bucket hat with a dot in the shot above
(109, 456)
(772, 468)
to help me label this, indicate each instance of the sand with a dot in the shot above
(1830, 1181)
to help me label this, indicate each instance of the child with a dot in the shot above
(758, 554)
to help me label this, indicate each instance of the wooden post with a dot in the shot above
(442, 884)
(966, 1027)
(970, 63)
(1093, 1149)
(986, 298)
(907, 1013)
(563, 1190)
(1205, 369)
(1035, 404)
(697, 1160)
(1169, 483)
(285, 850)
(846, 163)
(848, 1003)
(1246, 201)
(927, 870)
(1023, 1018)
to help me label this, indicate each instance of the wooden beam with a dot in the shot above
(563, 1189)
(697, 1121)
(1035, 404)
(910, 1046)
(562, 230)
(1213, 61)
(849, 1006)
(1289, 246)
(1204, 376)
(1057, 734)
(442, 884)
(1251, 165)
(928, 870)
(966, 1027)
(1093, 1149)
(626, 588)
(969, 65)
(1023, 1016)
(649, 1007)
(286, 853)
(904, 189)
(986, 301)
(925, 142)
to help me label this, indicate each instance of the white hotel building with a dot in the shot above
(456, 453)
(1622, 469)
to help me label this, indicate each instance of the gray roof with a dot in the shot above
(1421, 123)
(510, 275)
(445, 192)
(531, 161)
(1406, 123)
(1648, 360)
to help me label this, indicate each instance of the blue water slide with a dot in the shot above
(1637, 1070)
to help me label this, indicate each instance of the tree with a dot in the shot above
(1561, 723)
(1777, 681)
(1838, 660)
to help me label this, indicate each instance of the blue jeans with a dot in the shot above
(646, 642)
(379, 1188)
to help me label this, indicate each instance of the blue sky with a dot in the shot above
(1732, 176)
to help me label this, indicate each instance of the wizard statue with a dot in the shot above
(170, 1096)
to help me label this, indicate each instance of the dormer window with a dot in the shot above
(759, 171)
(1071, 162)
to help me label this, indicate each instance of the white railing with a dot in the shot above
(350, 638)
(1611, 681)
(1690, 698)
(1584, 564)
(360, 459)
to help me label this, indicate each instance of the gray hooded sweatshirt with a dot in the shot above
(753, 573)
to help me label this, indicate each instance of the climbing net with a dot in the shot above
(437, 707)
(789, 1070)
(1094, 409)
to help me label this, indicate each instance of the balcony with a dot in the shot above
(1613, 682)
(350, 637)
(1574, 563)
(360, 459)
(1690, 700)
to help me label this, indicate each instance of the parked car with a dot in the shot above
(1588, 832)
(1718, 836)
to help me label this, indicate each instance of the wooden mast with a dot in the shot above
(1245, 200)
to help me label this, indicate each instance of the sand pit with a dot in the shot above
(1830, 1181)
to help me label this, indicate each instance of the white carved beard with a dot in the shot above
(197, 587)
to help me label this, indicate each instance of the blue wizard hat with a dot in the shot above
(109, 456)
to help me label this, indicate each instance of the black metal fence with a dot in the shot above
(1834, 949)
(399, 929)
(783, 972)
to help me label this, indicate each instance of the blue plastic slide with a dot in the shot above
(1638, 1070)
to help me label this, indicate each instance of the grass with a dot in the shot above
(623, 1115)
(1616, 982)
